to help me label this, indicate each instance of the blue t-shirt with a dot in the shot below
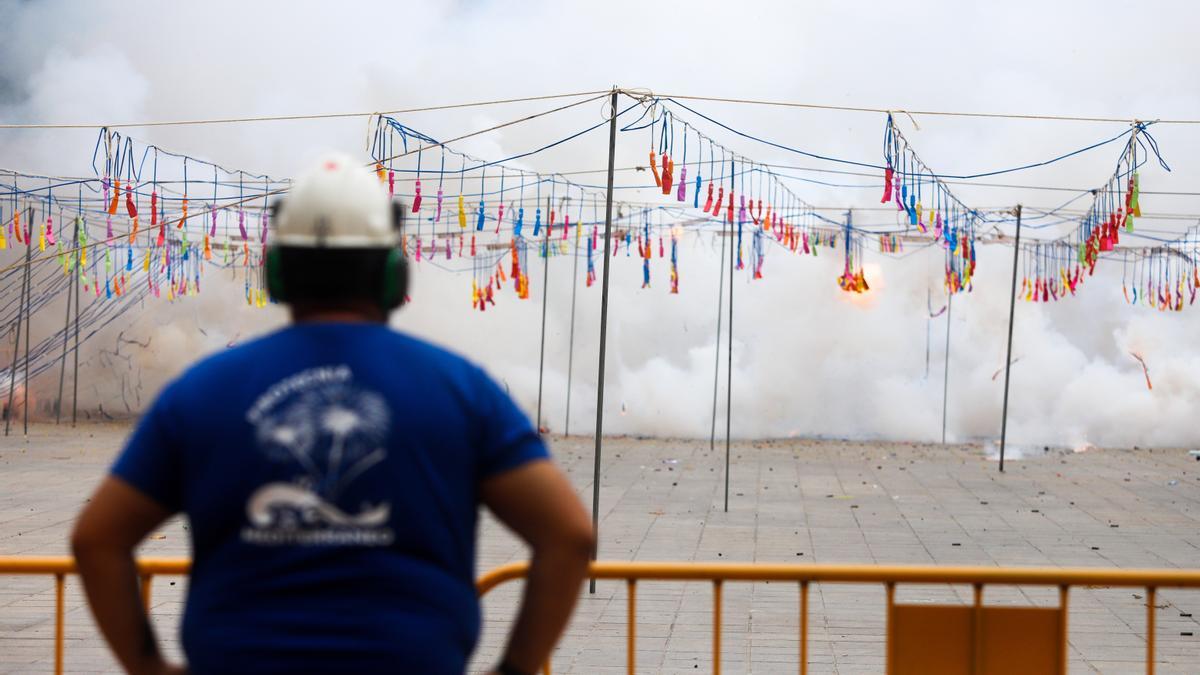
(331, 475)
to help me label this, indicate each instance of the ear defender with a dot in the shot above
(395, 268)
(395, 280)
(274, 261)
(274, 269)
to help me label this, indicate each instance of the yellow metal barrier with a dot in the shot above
(61, 566)
(921, 639)
(926, 639)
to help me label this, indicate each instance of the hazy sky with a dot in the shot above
(862, 368)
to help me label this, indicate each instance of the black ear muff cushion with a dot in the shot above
(395, 272)
(274, 265)
(401, 279)
(395, 280)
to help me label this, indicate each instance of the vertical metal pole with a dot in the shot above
(545, 293)
(62, 361)
(1012, 310)
(28, 299)
(1150, 662)
(571, 339)
(928, 325)
(729, 350)
(75, 289)
(608, 202)
(712, 432)
(75, 286)
(946, 367)
(12, 371)
(59, 621)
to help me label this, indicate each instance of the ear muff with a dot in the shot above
(395, 280)
(274, 268)
(395, 268)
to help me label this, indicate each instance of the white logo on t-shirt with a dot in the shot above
(331, 432)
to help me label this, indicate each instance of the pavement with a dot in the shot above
(795, 501)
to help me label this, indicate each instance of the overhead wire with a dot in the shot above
(905, 111)
(283, 118)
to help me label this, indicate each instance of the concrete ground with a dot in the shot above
(798, 501)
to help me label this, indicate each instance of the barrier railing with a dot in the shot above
(922, 638)
(61, 566)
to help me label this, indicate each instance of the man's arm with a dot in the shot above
(538, 503)
(112, 524)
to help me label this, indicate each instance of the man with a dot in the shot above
(331, 473)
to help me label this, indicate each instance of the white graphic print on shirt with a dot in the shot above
(330, 432)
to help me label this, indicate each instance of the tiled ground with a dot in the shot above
(791, 501)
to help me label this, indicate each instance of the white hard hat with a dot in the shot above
(338, 204)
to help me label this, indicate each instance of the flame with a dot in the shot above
(874, 276)
(18, 401)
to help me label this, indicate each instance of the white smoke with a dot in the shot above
(807, 360)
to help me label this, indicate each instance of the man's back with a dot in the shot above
(331, 474)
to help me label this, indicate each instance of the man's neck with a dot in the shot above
(348, 314)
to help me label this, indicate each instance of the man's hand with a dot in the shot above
(165, 668)
(116, 519)
(536, 500)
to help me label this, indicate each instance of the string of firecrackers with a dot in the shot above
(164, 255)
(389, 132)
(890, 243)
(551, 231)
(171, 256)
(771, 210)
(1055, 270)
(1047, 274)
(112, 268)
(1115, 205)
(1165, 278)
(120, 262)
(1099, 232)
(944, 216)
(853, 278)
(114, 162)
(778, 201)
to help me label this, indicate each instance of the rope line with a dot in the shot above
(634, 92)
(910, 113)
(283, 118)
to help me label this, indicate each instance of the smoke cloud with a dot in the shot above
(807, 359)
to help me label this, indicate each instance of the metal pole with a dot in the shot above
(608, 202)
(75, 285)
(712, 432)
(1012, 310)
(28, 298)
(62, 362)
(545, 293)
(571, 339)
(946, 368)
(12, 371)
(928, 325)
(729, 350)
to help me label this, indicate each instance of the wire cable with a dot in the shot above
(283, 118)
